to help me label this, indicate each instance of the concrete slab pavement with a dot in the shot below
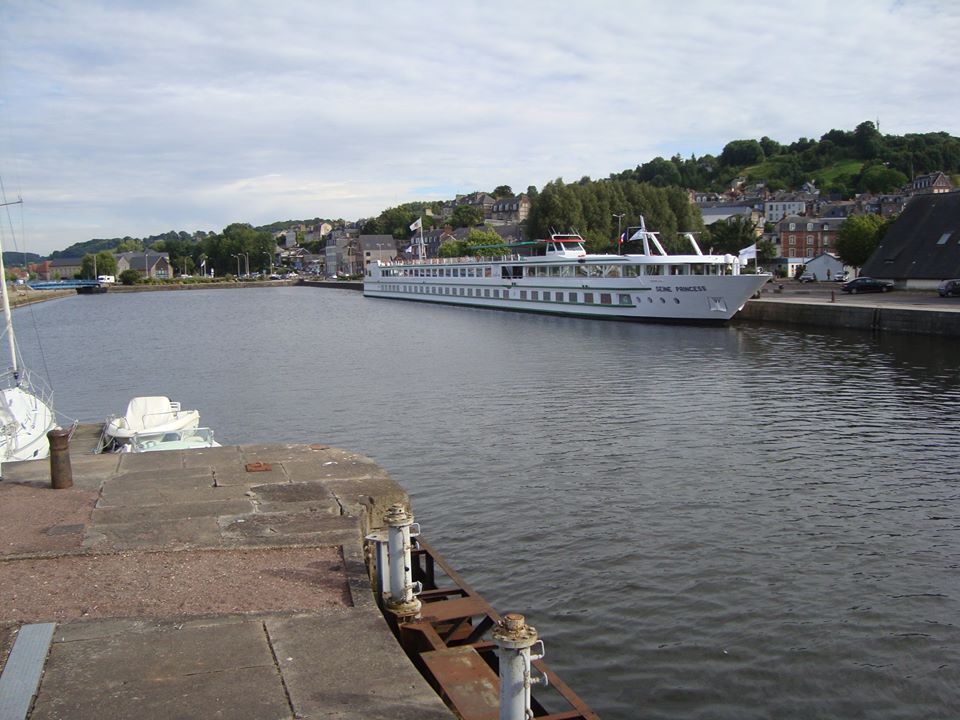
(223, 582)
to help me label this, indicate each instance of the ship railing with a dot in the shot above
(451, 261)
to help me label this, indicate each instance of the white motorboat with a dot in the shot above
(191, 439)
(148, 415)
(26, 408)
(562, 278)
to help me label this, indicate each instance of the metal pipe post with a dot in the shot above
(381, 562)
(402, 588)
(515, 639)
(61, 472)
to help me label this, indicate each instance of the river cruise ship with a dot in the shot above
(564, 279)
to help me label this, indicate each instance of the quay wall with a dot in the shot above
(339, 284)
(875, 318)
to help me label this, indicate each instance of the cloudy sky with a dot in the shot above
(133, 118)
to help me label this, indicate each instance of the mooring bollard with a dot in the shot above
(61, 473)
(401, 528)
(515, 639)
(833, 296)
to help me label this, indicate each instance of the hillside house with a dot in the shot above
(807, 237)
(513, 209)
(934, 183)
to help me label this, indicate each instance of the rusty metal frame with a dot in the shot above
(448, 642)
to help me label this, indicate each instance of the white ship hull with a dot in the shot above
(690, 299)
(565, 280)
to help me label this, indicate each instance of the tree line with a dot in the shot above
(841, 162)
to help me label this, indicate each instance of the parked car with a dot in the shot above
(949, 288)
(808, 277)
(866, 284)
(842, 276)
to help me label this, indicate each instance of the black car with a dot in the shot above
(866, 284)
(949, 288)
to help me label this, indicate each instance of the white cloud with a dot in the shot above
(135, 118)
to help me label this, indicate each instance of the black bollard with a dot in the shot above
(61, 473)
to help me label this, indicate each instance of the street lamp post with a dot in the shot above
(246, 263)
(619, 217)
(270, 256)
(238, 262)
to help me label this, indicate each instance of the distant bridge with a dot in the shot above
(62, 284)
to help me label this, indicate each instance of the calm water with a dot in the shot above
(746, 522)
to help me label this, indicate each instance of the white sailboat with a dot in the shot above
(26, 411)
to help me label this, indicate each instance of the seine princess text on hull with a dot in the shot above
(566, 280)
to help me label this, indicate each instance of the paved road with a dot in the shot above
(791, 290)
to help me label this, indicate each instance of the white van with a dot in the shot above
(106, 279)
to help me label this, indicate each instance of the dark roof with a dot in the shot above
(66, 262)
(924, 242)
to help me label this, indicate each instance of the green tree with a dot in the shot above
(129, 277)
(732, 235)
(502, 191)
(452, 248)
(106, 264)
(766, 251)
(466, 216)
(858, 237)
(128, 244)
(485, 243)
(659, 172)
(867, 140)
(880, 179)
(741, 152)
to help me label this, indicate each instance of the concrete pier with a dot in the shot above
(224, 582)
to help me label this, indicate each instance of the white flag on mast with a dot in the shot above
(417, 224)
(748, 253)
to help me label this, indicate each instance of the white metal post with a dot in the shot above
(515, 639)
(402, 588)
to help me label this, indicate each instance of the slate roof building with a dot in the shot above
(923, 246)
(149, 263)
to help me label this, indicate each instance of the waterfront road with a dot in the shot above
(217, 583)
(793, 291)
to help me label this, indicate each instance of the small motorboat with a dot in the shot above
(190, 439)
(146, 415)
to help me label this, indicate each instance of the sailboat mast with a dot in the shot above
(7, 316)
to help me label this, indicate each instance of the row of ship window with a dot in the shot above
(587, 298)
(513, 272)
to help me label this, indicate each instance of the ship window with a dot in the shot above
(631, 270)
(534, 295)
(581, 270)
(624, 299)
(588, 297)
(654, 269)
(523, 294)
(596, 270)
(944, 238)
(606, 299)
(572, 297)
(487, 271)
(566, 271)
(612, 271)
(486, 292)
